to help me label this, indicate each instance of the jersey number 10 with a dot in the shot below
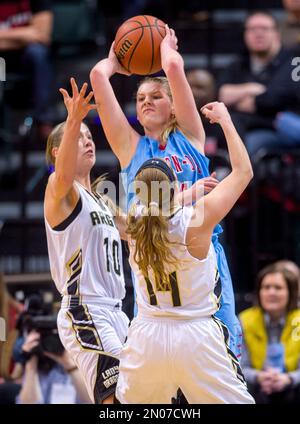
(115, 255)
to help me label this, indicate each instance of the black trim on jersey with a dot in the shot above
(218, 288)
(174, 289)
(98, 199)
(107, 376)
(175, 213)
(74, 266)
(66, 222)
(85, 330)
(152, 296)
(235, 362)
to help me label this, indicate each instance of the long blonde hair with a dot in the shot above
(172, 124)
(150, 229)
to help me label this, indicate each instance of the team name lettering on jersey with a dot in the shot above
(99, 218)
(110, 376)
(110, 372)
(178, 164)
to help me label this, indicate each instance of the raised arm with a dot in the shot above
(218, 202)
(61, 181)
(185, 108)
(121, 136)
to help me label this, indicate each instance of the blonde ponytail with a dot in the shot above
(152, 245)
(149, 229)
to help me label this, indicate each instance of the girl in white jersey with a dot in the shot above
(175, 341)
(85, 253)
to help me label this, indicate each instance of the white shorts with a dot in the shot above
(162, 355)
(94, 335)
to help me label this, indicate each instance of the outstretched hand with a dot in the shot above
(78, 106)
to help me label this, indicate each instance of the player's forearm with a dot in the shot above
(238, 155)
(66, 161)
(172, 62)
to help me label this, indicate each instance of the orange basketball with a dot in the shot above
(137, 44)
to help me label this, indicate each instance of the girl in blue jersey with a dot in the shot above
(173, 131)
(175, 338)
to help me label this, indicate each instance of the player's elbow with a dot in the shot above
(94, 74)
(245, 175)
(97, 77)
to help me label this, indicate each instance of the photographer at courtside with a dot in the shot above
(50, 375)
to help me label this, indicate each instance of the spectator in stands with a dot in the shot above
(203, 86)
(25, 37)
(280, 103)
(51, 378)
(290, 25)
(271, 351)
(247, 85)
(293, 268)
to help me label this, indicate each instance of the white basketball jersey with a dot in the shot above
(193, 284)
(86, 254)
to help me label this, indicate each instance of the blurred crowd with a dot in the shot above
(261, 90)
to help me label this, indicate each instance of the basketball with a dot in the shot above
(137, 44)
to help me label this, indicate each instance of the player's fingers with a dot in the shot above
(213, 180)
(206, 112)
(89, 96)
(74, 87)
(64, 93)
(210, 184)
(83, 89)
(209, 105)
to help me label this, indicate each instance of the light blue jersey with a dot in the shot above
(189, 165)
